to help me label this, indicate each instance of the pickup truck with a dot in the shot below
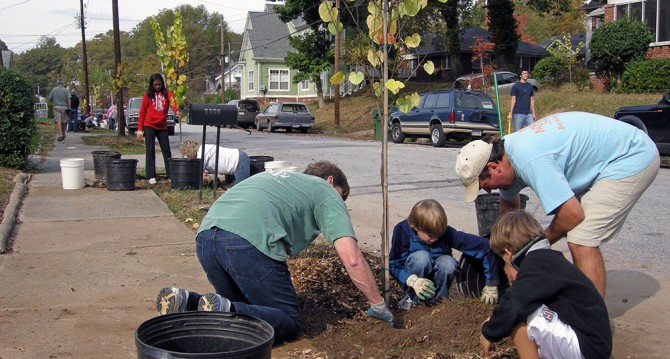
(447, 114)
(286, 115)
(653, 119)
(134, 113)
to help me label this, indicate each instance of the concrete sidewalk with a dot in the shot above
(86, 264)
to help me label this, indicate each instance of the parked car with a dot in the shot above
(287, 115)
(133, 114)
(505, 81)
(447, 114)
(247, 111)
(653, 119)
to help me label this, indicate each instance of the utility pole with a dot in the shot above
(121, 128)
(223, 63)
(336, 95)
(87, 109)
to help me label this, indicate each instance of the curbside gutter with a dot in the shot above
(12, 209)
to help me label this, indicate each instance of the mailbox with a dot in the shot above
(212, 115)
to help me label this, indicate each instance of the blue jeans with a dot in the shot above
(72, 121)
(522, 120)
(441, 271)
(255, 284)
(243, 167)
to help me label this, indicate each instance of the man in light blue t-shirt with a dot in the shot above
(587, 170)
(248, 233)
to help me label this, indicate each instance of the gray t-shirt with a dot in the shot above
(59, 96)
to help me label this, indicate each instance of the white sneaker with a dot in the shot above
(152, 181)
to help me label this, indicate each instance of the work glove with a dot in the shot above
(381, 311)
(424, 288)
(490, 294)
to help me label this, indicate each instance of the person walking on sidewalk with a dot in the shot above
(523, 103)
(60, 98)
(152, 124)
(72, 124)
(587, 170)
(244, 255)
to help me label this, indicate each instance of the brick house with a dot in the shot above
(654, 13)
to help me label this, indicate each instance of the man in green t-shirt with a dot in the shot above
(248, 233)
(60, 98)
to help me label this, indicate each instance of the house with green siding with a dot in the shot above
(264, 73)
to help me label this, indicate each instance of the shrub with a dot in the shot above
(16, 113)
(650, 76)
(617, 43)
(549, 71)
(581, 77)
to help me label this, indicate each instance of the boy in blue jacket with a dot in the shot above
(421, 260)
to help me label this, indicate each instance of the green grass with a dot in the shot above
(185, 203)
(126, 145)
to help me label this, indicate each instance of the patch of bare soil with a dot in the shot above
(336, 326)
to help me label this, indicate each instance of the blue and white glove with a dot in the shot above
(380, 311)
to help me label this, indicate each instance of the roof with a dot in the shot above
(467, 37)
(575, 39)
(268, 36)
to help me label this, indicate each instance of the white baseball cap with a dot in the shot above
(470, 163)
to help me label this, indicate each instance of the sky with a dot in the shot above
(23, 22)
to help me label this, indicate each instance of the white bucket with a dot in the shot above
(274, 165)
(291, 169)
(72, 173)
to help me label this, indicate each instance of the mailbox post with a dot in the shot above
(212, 115)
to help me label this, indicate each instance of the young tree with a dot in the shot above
(310, 60)
(503, 31)
(563, 50)
(172, 54)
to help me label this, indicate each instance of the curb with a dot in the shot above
(12, 209)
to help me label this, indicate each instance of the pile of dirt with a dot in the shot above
(335, 323)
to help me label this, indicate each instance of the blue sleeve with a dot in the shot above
(477, 247)
(399, 252)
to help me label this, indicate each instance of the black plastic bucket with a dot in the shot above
(121, 174)
(185, 173)
(471, 279)
(488, 210)
(257, 163)
(100, 159)
(202, 334)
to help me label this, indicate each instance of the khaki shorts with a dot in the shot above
(59, 113)
(607, 204)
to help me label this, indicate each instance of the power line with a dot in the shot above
(17, 4)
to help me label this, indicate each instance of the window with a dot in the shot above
(430, 100)
(444, 62)
(250, 80)
(649, 12)
(443, 100)
(304, 85)
(279, 80)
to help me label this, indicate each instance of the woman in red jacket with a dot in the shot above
(152, 124)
